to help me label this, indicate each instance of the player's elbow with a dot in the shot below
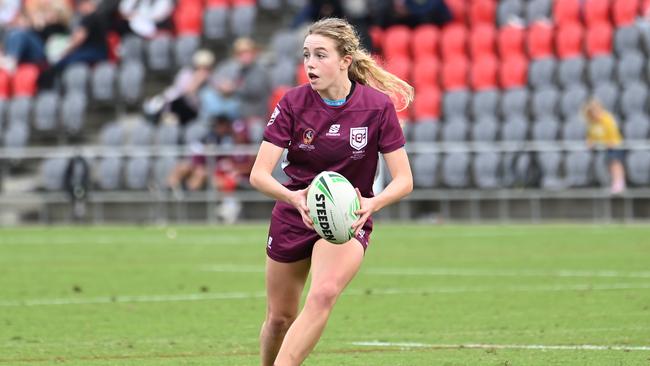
(254, 179)
(408, 185)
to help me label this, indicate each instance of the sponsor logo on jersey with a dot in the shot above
(334, 130)
(270, 241)
(275, 113)
(359, 137)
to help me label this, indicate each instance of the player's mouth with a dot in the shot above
(312, 77)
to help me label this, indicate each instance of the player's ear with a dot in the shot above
(346, 61)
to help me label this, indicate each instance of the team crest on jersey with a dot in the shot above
(359, 137)
(307, 138)
(275, 113)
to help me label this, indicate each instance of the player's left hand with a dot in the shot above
(368, 207)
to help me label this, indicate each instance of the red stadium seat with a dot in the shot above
(482, 12)
(190, 3)
(400, 67)
(510, 41)
(236, 3)
(566, 11)
(426, 72)
(483, 73)
(596, 11)
(455, 73)
(301, 76)
(376, 37)
(276, 95)
(453, 41)
(482, 40)
(113, 41)
(645, 7)
(217, 3)
(5, 85)
(188, 20)
(568, 40)
(24, 81)
(624, 12)
(598, 40)
(539, 40)
(458, 10)
(396, 41)
(426, 103)
(513, 72)
(424, 41)
(404, 115)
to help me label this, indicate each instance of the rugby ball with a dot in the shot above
(332, 201)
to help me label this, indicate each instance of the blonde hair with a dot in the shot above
(364, 69)
(592, 108)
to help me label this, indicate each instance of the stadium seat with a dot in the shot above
(636, 127)
(571, 71)
(399, 66)
(425, 130)
(5, 85)
(545, 129)
(397, 40)
(167, 134)
(455, 169)
(424, 41)
(194, 132)
(577, 165)
(455, 103)
(214, 22)
(137, 172)
(600, 69)
(283, 73)
(425, 170)
(544, 102)
(132, 48)
(242, 20)
(566, 11)
(509, 11)
(159, 52)
(286, 43)
(53, 173)
(607, 93)
(514, 129)
(634, 98)
(638, 167)
(184, 48)
(598, 40)
(624, 12)
(426, 72)
(572, 100)
(276, 96)
(376, 34)
(485, 103)
(594, 11)
(482, 41)
(112, 134)
(513, 72)
(20, 110)
(427, 103)
(485, 129)
(73, 112)
(483, 73)
(510, 41)
(514, 102)
(549, 165)
(629, 67)
(569, 40)
(455, 73)
(142, 134)
(4, 104)
(574, 129)
(453, 42)
(539, 40)
(482, 12)
(486, 170)
(130, 81)
(537, 10)
(102, 82)
(188, 19)
(75, 78)
(24, 80)
(162, 168)
(109, 173)
(16, 134)
(454, 130)
(626, 39)
(541, 72)
(46, 111)
(458, 10)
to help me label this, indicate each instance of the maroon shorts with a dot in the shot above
(291, 242)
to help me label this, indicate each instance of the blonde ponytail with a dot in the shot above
(364, 69)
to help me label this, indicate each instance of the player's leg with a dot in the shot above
(284, 285)
(332, 268)
(197, 178)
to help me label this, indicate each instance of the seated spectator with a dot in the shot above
(9, 10)
(602, 130)
(410, 12)
(181, 99)
(146, 18)
(21, 45)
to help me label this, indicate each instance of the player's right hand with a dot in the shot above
(299, 200)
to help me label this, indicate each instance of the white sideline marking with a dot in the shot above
(350, 292)
(459, 272)
(577, 347)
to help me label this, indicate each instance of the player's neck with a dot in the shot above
(337, 92)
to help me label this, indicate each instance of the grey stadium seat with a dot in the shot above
(455, 103)
(109, 174)
(132, 48)
(46, 111)
(636, 127)
(159, 53)
(600, 69)
(184, 49)
(507, 10)
(514, 102)
(537, 9)
(3, 110)
(214, 22)
(454, 130)
(455, 168)
(425, 170)
(626, 39)
(168, 134)
(112, 134)
(130, 81)
(52, 173)
(484, 103)
(549, 164)
(162, 168)
(577, 167)
(514, 129)
(607, 93)
(286, 43)
(572, 100)
(270, 4)
(75, 78)
(634, 98)
(601, 170)
(571, 71)
(629, 67)
(283, 72)
(242, 20)
(137, 172)
(485, 129)
(102, 82)
(545, 129)
(425, 131)
(73, 112)
(16, 134)
(545, 102)
(20, 110)
(541, 72)
(486, 170)
(574, 129)
(638, 167)
(142, 134)
(194, 132)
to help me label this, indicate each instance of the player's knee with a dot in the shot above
(279, 322)
(324, 296)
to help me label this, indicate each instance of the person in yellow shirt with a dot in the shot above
(602, 130)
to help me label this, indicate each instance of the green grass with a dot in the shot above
(434, 285)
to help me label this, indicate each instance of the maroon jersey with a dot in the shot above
(346, 139)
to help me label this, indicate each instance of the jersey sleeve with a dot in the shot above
(279, 127)
(391, 136)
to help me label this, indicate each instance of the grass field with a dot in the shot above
(426, 295)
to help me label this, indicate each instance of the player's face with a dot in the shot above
(323, 64)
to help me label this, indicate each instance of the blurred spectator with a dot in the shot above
(9, 10)
(239, 86)
(148, 17)
(21, 45)
(181, 98)
(603, 130)
(409, 12)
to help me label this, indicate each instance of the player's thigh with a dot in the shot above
(334, 265)
(284, 285)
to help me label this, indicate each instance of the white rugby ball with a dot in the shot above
(332, 201)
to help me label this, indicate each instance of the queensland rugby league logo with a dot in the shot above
(359, 137)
